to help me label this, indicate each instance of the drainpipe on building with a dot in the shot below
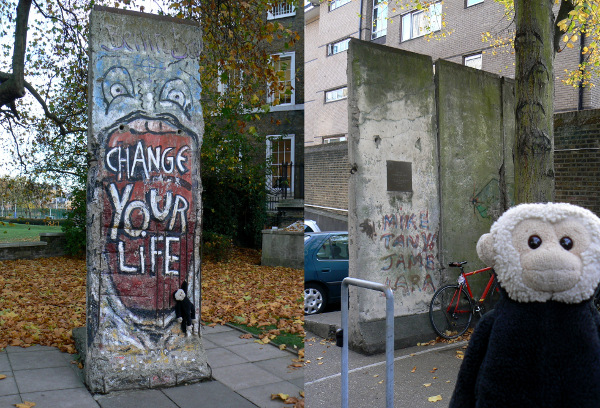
(582, 45)
(360, 21)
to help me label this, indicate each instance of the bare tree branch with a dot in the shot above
(12, 88)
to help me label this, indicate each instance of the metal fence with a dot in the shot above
(286, 183)
(41, 213)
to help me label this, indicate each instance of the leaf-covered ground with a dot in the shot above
(243, 292)
(42, 300)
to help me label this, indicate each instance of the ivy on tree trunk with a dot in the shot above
(534, 77)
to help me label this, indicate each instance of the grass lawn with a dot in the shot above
(23, 232)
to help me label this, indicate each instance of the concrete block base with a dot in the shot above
(369, 337)
(107, 371)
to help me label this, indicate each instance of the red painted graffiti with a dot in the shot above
(149, 213)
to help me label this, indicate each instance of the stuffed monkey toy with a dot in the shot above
(184, 310)
(540, 346)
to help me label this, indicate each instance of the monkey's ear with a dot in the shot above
(485, 249)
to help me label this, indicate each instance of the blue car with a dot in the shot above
(325, 266)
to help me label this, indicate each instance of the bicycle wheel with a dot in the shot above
(450, 311)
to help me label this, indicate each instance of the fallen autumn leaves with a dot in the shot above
(42, 300)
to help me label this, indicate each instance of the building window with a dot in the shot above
(280, 150)
(334, 139)
(422, 22)
(308, 5)
(380, 11)
(284, 66)
(379, 19)
(473, 61)
(473, 2)
(336, 94)
(281, 10)
(337, 3)
(337, 47)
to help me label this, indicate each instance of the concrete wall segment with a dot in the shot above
(392, 118)
(144, 199)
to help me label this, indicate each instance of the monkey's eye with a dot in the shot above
(566, 243)
(534, 242)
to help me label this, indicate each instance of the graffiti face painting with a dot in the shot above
(151, 131)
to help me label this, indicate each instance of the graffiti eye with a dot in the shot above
(534, 242)
(118, 90)
(116, 83)
(176, 91)
(566, 243)
(176, 96)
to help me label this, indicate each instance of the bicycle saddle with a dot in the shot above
(457, 264)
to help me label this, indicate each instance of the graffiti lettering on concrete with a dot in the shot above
(148, 213)
(410, 251)
(151, 122)
(171, 44)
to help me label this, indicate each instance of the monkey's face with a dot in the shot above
(545, 252)
(550, 253)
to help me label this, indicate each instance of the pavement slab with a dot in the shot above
(420, 372)
(222, 357)
(73, 398)
(9, 401)
(8, 386)
(136, 399)
(46, 379)
(261, 395)
(50, 378)
(242, 376)
(255, 352)
(207, 395)
(36, 359)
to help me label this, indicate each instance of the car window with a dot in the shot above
(336, 247)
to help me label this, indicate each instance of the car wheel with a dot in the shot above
(315, 299)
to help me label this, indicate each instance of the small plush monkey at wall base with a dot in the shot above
(184, 310)
(540, 346)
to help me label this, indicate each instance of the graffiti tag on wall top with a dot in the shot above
(409, 249)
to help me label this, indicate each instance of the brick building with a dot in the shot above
(329, 25)
(284, 124)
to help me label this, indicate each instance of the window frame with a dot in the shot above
(269, 150)
(473, 57)
(336, 4)
(431, 28)
(333, 44)
(339, 88)
(270, 95)
(471, 3)
(382, 32)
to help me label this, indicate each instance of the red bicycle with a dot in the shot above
(452, 306)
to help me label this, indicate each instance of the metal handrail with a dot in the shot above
(389, 337)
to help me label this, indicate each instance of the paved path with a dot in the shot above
(246, 374)
(436, 365)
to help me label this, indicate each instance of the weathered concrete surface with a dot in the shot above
(282, 248)
(144, 200)
(393, 207)
(476, 132)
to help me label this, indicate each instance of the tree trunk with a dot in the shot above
(534, 75)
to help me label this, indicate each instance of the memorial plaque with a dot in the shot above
(399, 176)
(144, 200)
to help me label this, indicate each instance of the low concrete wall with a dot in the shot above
(283, 248)
(50, 244)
